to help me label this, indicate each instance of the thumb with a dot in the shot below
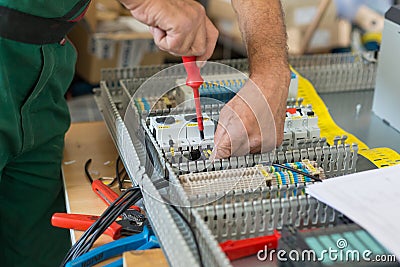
(222, 141)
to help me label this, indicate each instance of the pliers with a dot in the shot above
(142, 241)
(132, 222)
(107, 194)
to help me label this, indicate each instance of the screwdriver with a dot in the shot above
(195, 80)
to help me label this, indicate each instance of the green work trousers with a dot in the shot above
(33, 120)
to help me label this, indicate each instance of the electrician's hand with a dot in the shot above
(253, 120)
(179, 27)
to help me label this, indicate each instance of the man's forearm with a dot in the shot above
(263, 30)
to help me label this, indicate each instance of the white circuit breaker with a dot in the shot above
(180, 130)
(300, 124)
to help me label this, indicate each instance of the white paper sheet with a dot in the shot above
(371, 199)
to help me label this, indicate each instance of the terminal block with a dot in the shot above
(218, 87)
(222, 88)
(249, 178)
(149, 103)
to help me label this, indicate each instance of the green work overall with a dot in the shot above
(33, 120)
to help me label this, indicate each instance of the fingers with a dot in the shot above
(187, 42)
(158, 34)
(198, 45)
(211, 40)
(246, 125)
(181, 28)
(231, 136)
(222, 144)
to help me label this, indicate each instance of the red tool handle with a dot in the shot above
(107, 194)
(237, 249)
(194, 80)
(82, 222)
(104, 192)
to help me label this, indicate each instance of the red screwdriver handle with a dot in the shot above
(107, 194)
(194, 78)
(82, 222)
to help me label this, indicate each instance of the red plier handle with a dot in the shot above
(82, 222)
(107, 194)
(237, 249)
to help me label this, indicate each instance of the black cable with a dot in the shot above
(120, 205)
(95, 231)
(87, 170)
(121, 175)
(121, 208)
(116, 208)
(192, 231)
(111, 218)
(89, 176)
(118, 173)
(77, 246)
(107, 221)
(297, 171)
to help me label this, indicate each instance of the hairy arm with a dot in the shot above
(263, 30)
(253, 120)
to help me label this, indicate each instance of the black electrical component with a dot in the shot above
(166, 120)
(195, 154)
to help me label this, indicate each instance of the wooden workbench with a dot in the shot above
(82, 142)
(91, 140)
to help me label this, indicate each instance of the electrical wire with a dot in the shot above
(88, 175)
(297, 171)
(108, 221)
(118, 173)
(192, 231)
(80, 246)
(116, 208)
(108, 217)
(121, 174)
